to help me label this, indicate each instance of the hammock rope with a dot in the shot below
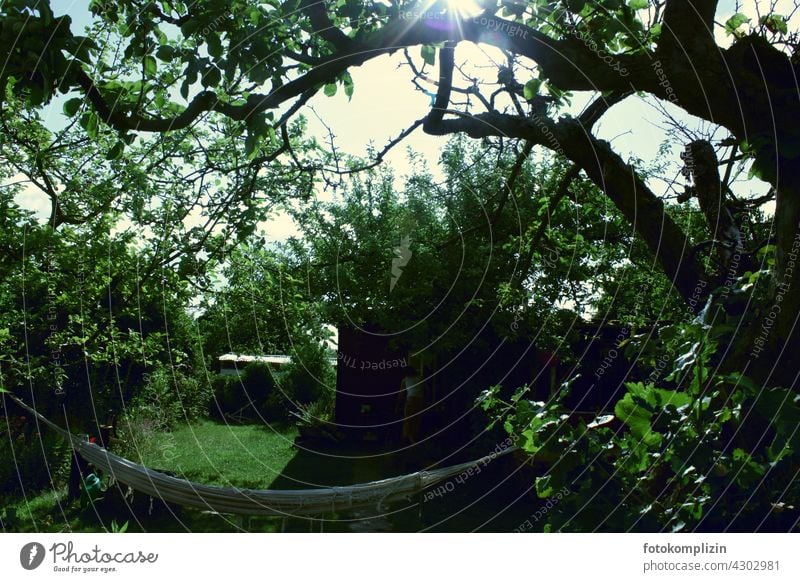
(262, 502)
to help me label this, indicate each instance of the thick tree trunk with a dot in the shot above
(645, 211)
(768, 348)
(785, 293)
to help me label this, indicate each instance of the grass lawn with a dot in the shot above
(250, 456)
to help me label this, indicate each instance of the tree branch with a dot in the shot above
(561, 191)
(609, 172)
(568, 63)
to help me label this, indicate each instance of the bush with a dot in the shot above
(227, 392)
(310, 376)
(138, 434)
(699, 451)
(256, 394)
(169, 397)
(258, 383)
(29, 455)
(276, 407)
(251, 395)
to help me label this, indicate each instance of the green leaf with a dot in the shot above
(637, 418)
(212, 77)
(670, 398)
(638, 4)
(251, 142)
(150, 65)
(655, 30)
(775, 23)
(36, 95)
(531, 88)
(115, 152)
(329, 89)
(347, 82)
(748, 471)
(166, 53)
(734, 22)
(80, 47)
(90, 123)
(72, 106)
(162, 38)
(191, 25)
(641, 403)
(756, 170)
(739, 380)
(428, 54)
(543, 487)
(214, 45)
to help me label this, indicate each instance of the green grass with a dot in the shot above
(39, 512)
(249, 456)
(205, 451)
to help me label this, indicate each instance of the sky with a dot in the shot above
(385, 103)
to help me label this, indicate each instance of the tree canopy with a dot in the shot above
(166, 76)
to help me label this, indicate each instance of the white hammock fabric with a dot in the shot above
(265, 502)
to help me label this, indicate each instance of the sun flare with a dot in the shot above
(461, 8)
(464, 8)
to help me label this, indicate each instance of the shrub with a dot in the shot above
(29, 455)
(699, 451)
(276, 407)
(170, 396)
(138, 434)
(227, 392)
(258, 383)
(195, 395)
(259, 393)
(310, 376)
(252, 394)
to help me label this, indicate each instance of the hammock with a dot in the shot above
(265, 502)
